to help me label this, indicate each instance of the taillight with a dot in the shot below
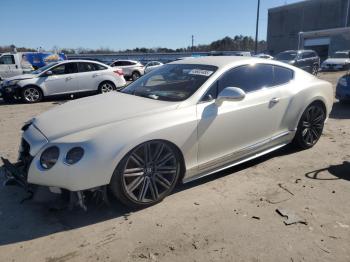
(119, 72)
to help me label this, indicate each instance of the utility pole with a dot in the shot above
(257, 27)
(192, 43)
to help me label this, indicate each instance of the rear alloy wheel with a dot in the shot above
(310, 126)
(314, 70)
(31, 94)
(106, 87)
(146, 175)
(135, 76)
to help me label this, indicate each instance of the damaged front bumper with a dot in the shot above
(16, 175)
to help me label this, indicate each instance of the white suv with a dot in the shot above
(67, 77)
(132, 69)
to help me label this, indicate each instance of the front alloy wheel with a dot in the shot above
(314, 70)
(147, 174)
(310, 126)
(31, 94)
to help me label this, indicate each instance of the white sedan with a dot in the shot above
(183, 121)
(62, 78)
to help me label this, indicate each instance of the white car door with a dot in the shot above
(63, 79)
(236, 125)
(89, 76)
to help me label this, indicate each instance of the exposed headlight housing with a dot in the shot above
(74, 155)
(49, 157)
(10, 82)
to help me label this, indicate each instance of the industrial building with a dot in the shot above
(321, 25)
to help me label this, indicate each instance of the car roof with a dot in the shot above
(134, 61)
(223, 61)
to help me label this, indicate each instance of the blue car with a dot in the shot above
(343, 88)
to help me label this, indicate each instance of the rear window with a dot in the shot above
(282, 75)
(286, 56)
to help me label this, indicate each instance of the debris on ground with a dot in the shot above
(342, 225)
(284, 188)
(292, 218)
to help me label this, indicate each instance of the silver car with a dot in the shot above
(131, 69)
(62, 78)
(183, 121)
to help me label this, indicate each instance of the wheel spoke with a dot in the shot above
(304, 132)
(154, 190)
(162, 181)
(159, 151)
(132, 172)
(143, 190)
(165, 159)
(135, 184)
(138, 160)
(147, 152)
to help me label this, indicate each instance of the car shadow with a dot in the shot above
(341, 171)
(340, 110)
(30, 219)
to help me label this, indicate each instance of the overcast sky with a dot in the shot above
(128, 24)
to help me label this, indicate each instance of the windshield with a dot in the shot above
(42, 69)
(286, 56)
(172, 82)
(340, 55)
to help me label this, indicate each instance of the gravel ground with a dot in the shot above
(229, 216)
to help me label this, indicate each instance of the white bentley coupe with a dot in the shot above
(183, 121)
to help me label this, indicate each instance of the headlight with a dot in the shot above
(10, 83)
(74, 155)
(49, 157)
(343, 82)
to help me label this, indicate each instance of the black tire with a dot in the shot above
(8, 99)
(314, 70)
(138, 183)
(135, 75)
(31, 94)
(106, 86)
(310, 126)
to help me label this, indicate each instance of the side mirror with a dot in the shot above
(48, 73)
(230, 94)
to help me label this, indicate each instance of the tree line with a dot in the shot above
(237, 43)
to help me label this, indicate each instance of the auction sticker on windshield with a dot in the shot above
(200, 72)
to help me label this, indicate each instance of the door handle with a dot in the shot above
(274, 100)
(69, 78)
(94, 75)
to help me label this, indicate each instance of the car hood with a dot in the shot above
(339, 61)
(20, 77)
(96, 111)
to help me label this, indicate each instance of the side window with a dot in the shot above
(282, 75)
(118, 63)
(7, 60)
(99, 67)
(86, 67)
(249, 78)
(69, 68)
